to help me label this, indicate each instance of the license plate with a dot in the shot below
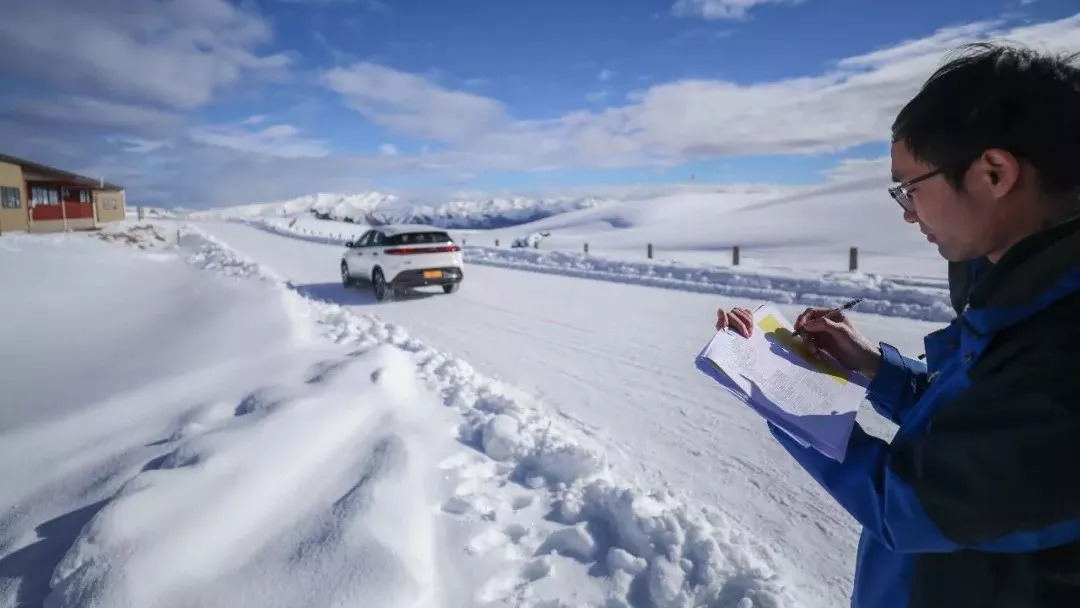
(432, 274)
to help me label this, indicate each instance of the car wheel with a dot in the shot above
(383, 290)
(346, 279)
(451, 288)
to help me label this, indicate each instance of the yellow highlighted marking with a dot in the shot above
(771, 326)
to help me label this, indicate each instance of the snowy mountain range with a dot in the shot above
(371, 208)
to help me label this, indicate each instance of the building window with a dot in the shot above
(10, 198)
(44, 196)
(109, 204)
(85, 196)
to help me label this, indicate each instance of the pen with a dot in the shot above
(846, 306)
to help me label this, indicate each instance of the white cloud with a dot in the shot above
(375, 6)
(930, 48)
(596, 97)
(857, 169)
(89, 113)
(138, 145)
(605, 75)
(701, 34)
(850, 103)
(413, 105)
(174, 53)
(282, 141)
(720, 9)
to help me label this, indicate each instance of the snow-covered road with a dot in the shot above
(616, 361)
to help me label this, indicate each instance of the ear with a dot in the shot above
(999, 170)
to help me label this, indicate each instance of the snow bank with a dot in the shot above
(380, 208)
(265, 449)
(194, 445)
(315, 231)
(219, 520)
(926, 299)
(150, 213)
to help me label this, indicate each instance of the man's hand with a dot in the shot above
(835, 335)
(739, 319)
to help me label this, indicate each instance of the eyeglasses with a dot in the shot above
(900, 192)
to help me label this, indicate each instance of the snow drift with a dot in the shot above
(263, 449)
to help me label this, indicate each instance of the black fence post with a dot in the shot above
(735, 255)
(648, 252)
(853, 259)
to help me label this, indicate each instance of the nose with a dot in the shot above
(910, 216)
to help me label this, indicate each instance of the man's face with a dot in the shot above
(957, 222)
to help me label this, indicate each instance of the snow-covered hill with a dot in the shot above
(132, 213)
(809, 228)
(380, 208)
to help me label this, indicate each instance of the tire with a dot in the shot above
(346, 280)
(383, 290)
(451, 288)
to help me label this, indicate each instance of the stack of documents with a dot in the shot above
(812, 399)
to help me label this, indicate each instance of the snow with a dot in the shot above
(368, 207)
(193, 430)
(925, 298)
(808, 228)
(203, 415)
(613, 363)
(132, 213)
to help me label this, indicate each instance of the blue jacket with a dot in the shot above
(976, 500)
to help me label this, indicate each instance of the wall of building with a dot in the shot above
(11, 176)
(110, 205)
(58, 225)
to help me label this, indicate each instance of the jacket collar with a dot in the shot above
(1033, 274)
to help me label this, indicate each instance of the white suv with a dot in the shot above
(394, 258)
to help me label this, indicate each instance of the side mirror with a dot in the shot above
(349, 244)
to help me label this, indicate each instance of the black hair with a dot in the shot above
(999, 95)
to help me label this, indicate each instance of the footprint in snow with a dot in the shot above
(324, 369)
(512, 582)
(492, 538)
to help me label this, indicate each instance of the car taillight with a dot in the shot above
(411, 250)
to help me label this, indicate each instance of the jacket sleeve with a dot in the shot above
(898, 384)
(994, 474)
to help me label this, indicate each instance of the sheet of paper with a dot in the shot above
(813, 400)
(775, 364)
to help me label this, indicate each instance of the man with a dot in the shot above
(976, 501)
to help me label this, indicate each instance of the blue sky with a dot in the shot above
(210, 102)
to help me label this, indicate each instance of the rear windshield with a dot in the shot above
(416, 238)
